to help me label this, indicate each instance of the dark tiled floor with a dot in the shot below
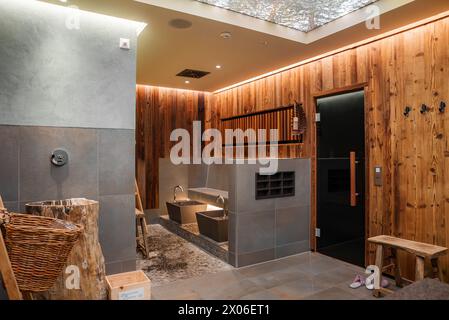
(303, 276)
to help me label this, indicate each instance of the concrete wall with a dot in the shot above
(70, 89)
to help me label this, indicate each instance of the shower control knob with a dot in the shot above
(59, 158)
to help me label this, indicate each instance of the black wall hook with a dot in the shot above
(442, 107)
(407, 111)
(424, 108)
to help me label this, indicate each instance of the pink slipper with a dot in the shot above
(358, 282)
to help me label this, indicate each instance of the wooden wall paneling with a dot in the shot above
(159, 111)
(440, 138)
(408, 68)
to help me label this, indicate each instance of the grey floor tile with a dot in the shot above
(303, 276)
(173, 293)
(279, 277)
(228, 291)
(299, 289)
(333, 293)
(360, 293)
(263, 268)
(338, 275)
(116, 158)
(318, 265)
(262, 295)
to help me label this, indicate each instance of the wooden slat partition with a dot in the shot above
(278, 118)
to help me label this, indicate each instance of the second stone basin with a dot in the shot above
(183, 212)
(213, 224)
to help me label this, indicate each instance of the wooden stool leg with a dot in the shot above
(137, 230)
(397, 268)
(419, 272)
(379, 263)
(436, 270)
(143, 224)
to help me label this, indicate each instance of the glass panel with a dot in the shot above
(302, 15)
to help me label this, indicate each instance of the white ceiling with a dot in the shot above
(256, 46)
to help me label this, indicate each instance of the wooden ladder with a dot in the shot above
(141, 223)
(9, 280)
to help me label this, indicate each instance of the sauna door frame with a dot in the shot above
(322, 94)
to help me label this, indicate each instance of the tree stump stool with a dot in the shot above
(86, 254)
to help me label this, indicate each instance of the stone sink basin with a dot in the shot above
(213, 224)
(183, 212)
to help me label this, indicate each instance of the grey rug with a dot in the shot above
(173, 258)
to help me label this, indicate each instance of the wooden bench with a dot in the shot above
(421, 251)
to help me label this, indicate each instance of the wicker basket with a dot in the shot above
(38, 248)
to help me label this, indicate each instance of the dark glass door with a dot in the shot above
(340, 190)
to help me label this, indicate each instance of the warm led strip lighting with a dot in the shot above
(348, 47)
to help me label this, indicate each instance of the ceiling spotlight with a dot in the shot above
(226, 35)
(218, 66)
(187, 82)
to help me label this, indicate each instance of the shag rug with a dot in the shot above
(172, 258)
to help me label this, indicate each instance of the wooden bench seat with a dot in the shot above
(421, 251)
(417, 248)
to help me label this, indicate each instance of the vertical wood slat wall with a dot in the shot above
(158, 112)
(406, 69)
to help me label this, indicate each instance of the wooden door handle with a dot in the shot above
(353, 179)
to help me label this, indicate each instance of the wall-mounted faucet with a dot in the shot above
(180, 188)
(220, 199)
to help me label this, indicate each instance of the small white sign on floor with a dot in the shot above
(136, 294)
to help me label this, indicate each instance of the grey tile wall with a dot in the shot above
(116, 166)
(100, 167)
(9, 168)
(116, 219)
(262, 230)
(41, 180)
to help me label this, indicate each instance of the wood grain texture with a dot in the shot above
(158, 112)
(86, 254)
(406, 69)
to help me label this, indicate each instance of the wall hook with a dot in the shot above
(442, 106)
(407, 111)
(424, 109)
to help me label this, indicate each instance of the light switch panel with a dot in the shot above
(378, 176)
(125, 44)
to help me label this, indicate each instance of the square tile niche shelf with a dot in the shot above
(279, 185)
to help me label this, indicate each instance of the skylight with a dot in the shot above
(302, 15)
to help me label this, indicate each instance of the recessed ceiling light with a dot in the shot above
(64, 1)
(218, 66)
(226, 35)
(187, 82)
